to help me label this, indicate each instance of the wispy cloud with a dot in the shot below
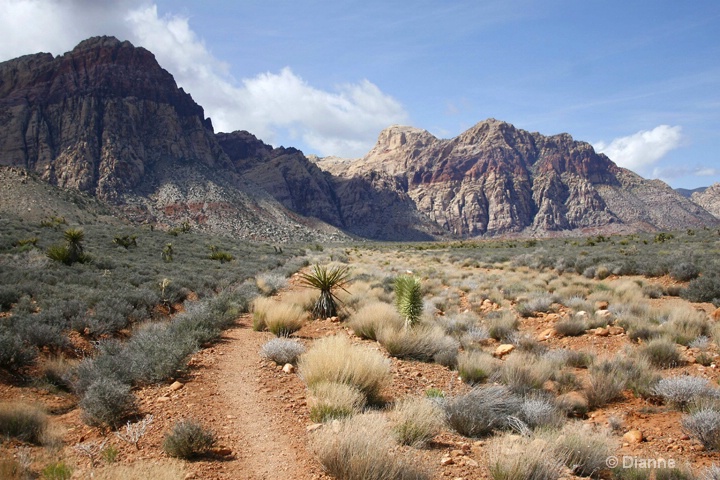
(644, 148)
(670, 174)
(342, 122)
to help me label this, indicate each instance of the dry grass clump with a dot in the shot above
(424, 343)
(259, 308)
(304, 298)
(585, 450)
(335, 359)
(373, 316)
(502, 327)
(685, 324)
(661, 352)
(523, 373)
(540, 411)
(606, 383)
(282, 350)
(270, 282)
(331, 400)
(280, 318)
(361, 449)
(482, 410)
(160, 470)
(513, 457)
(417, 420)
(571, 327)
(22, 421)
(476, 366)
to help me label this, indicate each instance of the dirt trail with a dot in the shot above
(257, 408)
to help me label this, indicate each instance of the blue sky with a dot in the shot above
(638, 80)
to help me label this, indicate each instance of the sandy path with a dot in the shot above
(255, 408)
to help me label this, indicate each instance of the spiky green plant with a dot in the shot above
(327, 280)
(408, 298)
(72, 251)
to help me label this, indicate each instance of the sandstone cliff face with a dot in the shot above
(496, 179)
(709, 199)
(106, 119)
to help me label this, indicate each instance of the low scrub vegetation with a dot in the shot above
(282, 350)
(188, 439)
(335, 359)
(482, 411)
(332, 400)
(416, 420)
(23, 422)
(361, 449)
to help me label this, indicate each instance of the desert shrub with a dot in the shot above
(661, 352)
(566, 381)
(476, 366)
(502, 327)
(522, 458)
(685, 324)
(482, 410)
(284, 319)
(416, 420)
(14, 354)
(188, 439)
(459, 324)
(540, 302)
(684, 271)
(526, 343)
(578, 358)
(9, 294)
(23, 422)
(282, 350)
(639, 374)
(703, 289)
(157, 351)
(704, 425)
(680, 392)
(571, 327)
(522, 373)
(540, 411)
(331, 400)
(622, 473)
(107, 402)
(420, 343)
(335, 359)
(360, 449)
(585, 451)
(269, 283)
(371, 317)
(605, 384)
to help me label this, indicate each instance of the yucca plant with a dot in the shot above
(327, 280)
(408, 298)
(72, 251)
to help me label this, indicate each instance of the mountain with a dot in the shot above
(688, 193)
(107, 120)
(709, 199)
(497, 179)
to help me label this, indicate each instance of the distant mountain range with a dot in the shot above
(107, 120)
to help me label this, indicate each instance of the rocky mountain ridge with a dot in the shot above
(107, 120)
(497, 179)
(709, 199)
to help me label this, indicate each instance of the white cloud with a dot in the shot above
(277, 107)
(670, 174)
(643, 148)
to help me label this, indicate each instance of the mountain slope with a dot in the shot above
(709, 199)
(106, 119)
(496, 179)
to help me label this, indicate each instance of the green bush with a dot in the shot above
(107, 402)
(408, 298)
(188, 439)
